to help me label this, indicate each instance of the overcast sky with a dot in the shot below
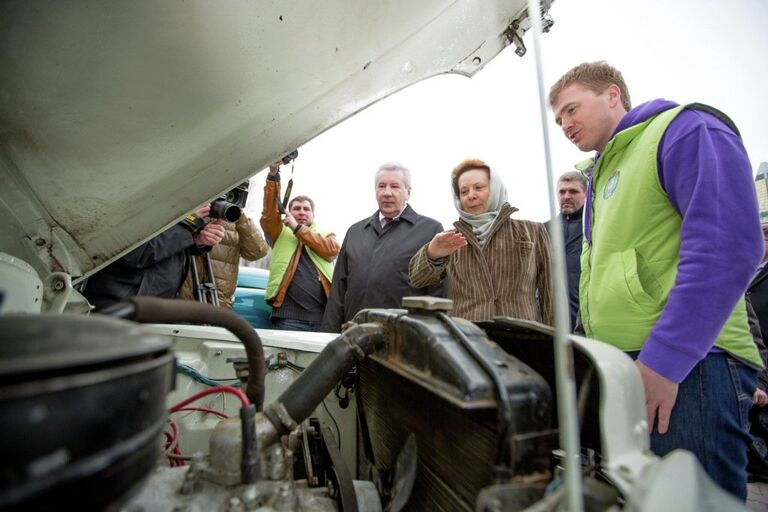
(709, 51)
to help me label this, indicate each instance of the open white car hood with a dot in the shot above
(117, 118)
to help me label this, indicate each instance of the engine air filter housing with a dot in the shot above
(82, 401)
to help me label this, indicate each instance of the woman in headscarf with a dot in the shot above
(496, 265)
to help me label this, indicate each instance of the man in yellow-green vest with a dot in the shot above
(671, 240)
(301, 268)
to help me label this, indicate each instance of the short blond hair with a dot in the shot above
(595, 76)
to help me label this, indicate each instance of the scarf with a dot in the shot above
(481, 224)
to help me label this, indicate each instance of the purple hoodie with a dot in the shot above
(704, 169)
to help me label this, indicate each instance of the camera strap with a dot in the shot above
(193, 223)
(288, 189)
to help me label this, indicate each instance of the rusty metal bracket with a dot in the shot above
(514, 35)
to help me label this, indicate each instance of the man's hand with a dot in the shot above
(203, 211)
(289, 221)
(274, 167)
(760, 398)
(660, 397)
(211, 234)
(444, 244)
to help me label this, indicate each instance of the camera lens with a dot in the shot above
(223, 209)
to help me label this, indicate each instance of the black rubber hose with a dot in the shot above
(336, 359)
(168, 311)
(249, 464)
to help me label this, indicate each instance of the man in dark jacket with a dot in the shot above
(372, 267)
(571, 193)
(757, 293)
(757, 309)
(758, 287)
(156, 268)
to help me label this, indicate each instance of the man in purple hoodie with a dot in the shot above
(673, 239)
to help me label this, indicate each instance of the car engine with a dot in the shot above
(447, 418)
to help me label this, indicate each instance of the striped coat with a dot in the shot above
(508, 277)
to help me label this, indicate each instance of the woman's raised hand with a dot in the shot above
(445, 243)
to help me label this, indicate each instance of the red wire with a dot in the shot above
(210, 391)
(180, 461)
(171, 443)
(176, 432)
(181, 406)
(174, 428)
(168, 443)
(203, 409)
(170, 449)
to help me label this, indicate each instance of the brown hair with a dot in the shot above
(595, 76)
(469, 164)
(302, 199)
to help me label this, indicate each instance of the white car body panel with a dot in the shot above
(118, 118)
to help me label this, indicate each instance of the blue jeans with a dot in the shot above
(711, 419)
(289, 324)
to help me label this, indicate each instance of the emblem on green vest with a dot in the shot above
(610, 187)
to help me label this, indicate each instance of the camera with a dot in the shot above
(229, 206)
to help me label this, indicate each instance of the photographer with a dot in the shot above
(157, 267)
(242, 239)
(301, 269)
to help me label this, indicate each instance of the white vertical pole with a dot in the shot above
(565, 379)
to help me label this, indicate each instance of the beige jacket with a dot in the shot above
(241, 240)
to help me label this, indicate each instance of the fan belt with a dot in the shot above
(339, 472)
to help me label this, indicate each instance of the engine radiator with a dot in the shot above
(427, 383)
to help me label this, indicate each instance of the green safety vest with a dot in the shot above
(629, 267)
(283, 249)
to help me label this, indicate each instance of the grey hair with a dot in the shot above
(394, 166)
(574, 176)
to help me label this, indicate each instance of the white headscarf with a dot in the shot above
(481, 224)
